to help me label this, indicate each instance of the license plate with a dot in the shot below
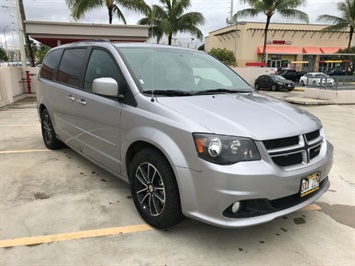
(310, 184)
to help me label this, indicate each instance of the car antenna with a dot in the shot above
(152, 99)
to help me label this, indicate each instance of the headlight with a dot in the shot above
(225, 149)
(280, 83)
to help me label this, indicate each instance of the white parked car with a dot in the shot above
(316, 78)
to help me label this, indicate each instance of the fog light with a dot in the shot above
(235, 206)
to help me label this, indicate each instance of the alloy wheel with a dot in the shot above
(150, 190)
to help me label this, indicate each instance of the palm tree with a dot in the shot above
(346, 21)
(79, 7)
(169, 18)
(286, 8)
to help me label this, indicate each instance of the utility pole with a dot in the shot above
(29, 51)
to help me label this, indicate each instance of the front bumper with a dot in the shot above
(206, 195)
(285, 87)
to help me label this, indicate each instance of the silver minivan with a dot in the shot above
(190, 136)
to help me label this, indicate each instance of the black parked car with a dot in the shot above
(274, 82)
(335, 72)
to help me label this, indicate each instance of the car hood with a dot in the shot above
(248, 115)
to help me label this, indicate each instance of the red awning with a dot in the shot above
(280, 50)
(311, 50)
(330, 50)
(258, 64)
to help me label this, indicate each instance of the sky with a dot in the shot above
(214, 11)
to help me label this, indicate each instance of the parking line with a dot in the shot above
(27, 241)
(37, 240)
(13, 111)
(23, 151)
(28, 125)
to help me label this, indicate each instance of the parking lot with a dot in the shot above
(57, 208)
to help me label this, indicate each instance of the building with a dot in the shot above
(299, 46)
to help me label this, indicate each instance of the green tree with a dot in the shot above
(3, 55)
(345, 22)
(225, 56)
(350, 64)
(169, 18)
(79, 7)
(201, 47)
(41, 52)
(286, 8)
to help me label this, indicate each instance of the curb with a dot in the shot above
(308, 101)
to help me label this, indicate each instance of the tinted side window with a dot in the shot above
(49, 64)
(71, 66)
(101, 65)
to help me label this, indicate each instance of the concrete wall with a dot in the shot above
(12, 84)
(338, 97)
(251, 73)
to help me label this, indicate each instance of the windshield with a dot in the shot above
(158, 69)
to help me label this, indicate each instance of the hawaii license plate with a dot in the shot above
(310, 184)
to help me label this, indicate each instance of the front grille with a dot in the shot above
(287, 160)
(294, 150)
(312, 135)
(280, 143)
(314, 152)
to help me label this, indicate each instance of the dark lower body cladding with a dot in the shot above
(257, 207)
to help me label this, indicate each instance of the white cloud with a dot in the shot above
(215, 12)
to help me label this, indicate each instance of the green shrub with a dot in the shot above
(225, 56)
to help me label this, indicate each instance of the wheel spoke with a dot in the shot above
(144, 198)
(154, 174)
(143, 175)
(154, 205)
(142, 190)
(160, 197)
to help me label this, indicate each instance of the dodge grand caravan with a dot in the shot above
(189, 135)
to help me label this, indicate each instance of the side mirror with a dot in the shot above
(105, 87)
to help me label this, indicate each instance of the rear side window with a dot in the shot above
(70, 66)
(49, 64)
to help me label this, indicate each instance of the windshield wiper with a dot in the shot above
(221, 90)
(168, 92)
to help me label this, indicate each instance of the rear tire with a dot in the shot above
(273, 87)
(154, 189)
(48, 133)
(257, 86)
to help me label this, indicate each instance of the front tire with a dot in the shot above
(154, 189)
(273, 87)
(257, 86)
(48, 133)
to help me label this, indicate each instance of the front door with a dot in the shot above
(100, 116)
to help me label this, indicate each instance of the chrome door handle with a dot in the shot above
(70, 98)
(82, 102)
